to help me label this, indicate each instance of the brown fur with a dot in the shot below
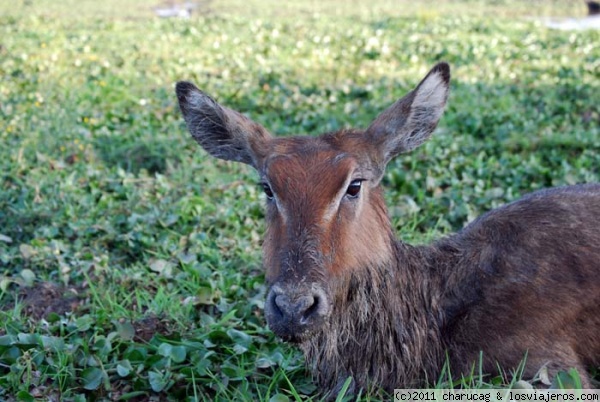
(521, 280)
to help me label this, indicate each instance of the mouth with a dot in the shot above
(295, 339)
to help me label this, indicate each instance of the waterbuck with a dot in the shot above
(521, 280)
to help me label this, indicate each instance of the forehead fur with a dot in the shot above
(330, 148)
(307, 167)
(337, 141)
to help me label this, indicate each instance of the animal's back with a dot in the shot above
(536, 283)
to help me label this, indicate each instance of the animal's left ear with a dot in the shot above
(410, 121)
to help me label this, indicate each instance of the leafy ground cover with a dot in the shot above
(130, 261)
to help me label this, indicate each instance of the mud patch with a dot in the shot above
(45, 298)
(150, 325)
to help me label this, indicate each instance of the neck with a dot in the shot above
(383, 329)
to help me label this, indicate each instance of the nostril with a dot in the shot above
(273, 305)
(310, 310)
(304, 303)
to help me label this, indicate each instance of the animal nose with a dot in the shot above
(294, 314)
(300, 308)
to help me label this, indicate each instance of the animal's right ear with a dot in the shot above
(222, 132)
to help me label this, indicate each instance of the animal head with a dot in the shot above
(326, 217)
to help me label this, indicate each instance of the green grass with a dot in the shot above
(130, 260)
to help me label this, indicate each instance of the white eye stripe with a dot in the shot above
(333, 206)
(273, 199)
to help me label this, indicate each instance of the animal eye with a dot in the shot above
(267, 190)
(354, 188)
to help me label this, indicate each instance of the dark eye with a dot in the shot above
(267, 190)
(354, 188)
